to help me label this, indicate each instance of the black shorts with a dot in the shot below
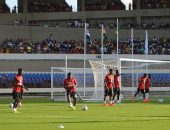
(146, 90)
(108, 92)
(17, 96)
(141, 90)
(72, 94)
(116, 90)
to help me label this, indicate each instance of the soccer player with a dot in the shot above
(108, 87)
(141, 87)
(17, 89)
(147, 87)
(116, 88)
(70, 86)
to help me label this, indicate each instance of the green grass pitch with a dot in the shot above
(41, 114)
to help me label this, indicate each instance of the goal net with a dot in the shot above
(100, 69)
(132, 69)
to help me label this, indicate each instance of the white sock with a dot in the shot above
(12, 105)
(20, 104)
(71, 105)
(15, 109)
(147, 95)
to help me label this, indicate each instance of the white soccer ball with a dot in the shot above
(85, 108)
(61, 127)
(160, 100)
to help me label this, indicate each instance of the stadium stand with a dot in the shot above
(46, 6)
(152, 4)
(98, 5)
(156, 46)
(3, 7)
(113, 25)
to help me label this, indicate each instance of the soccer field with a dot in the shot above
(41, 114)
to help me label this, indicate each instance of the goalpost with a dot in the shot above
(132, 69)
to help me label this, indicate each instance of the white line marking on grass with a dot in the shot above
(18, 116)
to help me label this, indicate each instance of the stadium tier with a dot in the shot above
(43, 80)
(3, 7)
(50, 45)
(101, 5)
(45, 6)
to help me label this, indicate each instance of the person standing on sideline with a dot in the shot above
(108, 87)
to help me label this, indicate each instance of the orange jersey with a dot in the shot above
(70, 84)
(109, 80)
(148, 83)
(141, 84)
(17, 87)
(116, 81)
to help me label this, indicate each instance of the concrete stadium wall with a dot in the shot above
(7, 18)
(61, 34)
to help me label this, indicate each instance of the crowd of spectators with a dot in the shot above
(47, 6)
(4, 8)
(93, 5)
(50, 45)
(112, 25)
(98, 24)
(154, 4)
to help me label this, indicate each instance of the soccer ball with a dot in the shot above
(61, 127)
(85, 108)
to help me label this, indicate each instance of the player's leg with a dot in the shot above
(105, 96)
(143, 93)
(20, 104)
(16, 102)
(74, 100)
(137, 92)
(147, 95)
(114, 94)
(110, 93)
(13, 96)
(69, 99)
(118, 95)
